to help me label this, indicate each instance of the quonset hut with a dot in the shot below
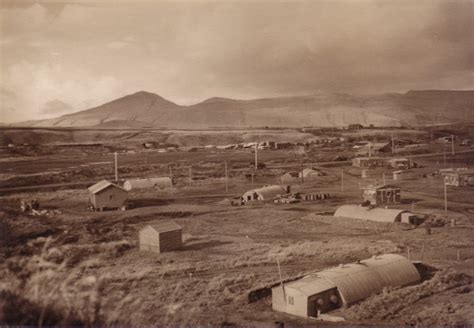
(343, 285)
(265, 193)
(148, 183)
(375, 214)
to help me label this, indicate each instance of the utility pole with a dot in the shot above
(116, 166)
(383, 178)
(226, 182)
(302, 169)
(445, 197)
(252, 178)
(171, 174)
(256, 156)
(393, 145)
(370, 149)
(342, 180)
(281, 279)
(190, 174)
(452, 145)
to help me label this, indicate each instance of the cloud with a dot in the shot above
(187, 51)
(56, 107)
(78, 89)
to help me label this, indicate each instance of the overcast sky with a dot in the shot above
(61, 57)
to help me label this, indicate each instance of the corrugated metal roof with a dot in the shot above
(367, 213)
(101, 185)
(148, 183)
(307, 172)
(380, 186)
(402, 159)
(311, 285)
(292, 174)
(164, 226)
(269, 192)
(357, 281)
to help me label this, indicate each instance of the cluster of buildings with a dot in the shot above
(105, 195)
(400, 163)
(458, 177)
(326, 290)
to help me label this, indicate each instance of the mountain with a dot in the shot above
(145, 109)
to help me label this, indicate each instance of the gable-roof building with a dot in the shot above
(107, 195)
(160, 237)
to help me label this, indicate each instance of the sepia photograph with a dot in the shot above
(236, 163)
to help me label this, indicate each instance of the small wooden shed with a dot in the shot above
(160, 237)
(381, 194)
(107, 195)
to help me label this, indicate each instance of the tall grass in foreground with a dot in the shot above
(37, 291)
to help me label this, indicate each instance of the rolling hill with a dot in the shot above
(145, 109)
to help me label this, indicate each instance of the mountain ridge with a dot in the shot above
(320, 109)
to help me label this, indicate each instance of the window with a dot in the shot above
(291, 301)
(110, 197)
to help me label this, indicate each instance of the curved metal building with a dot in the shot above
(372, 214)
(357, 281)
(148, 183)
(264, 193)
(343, 285)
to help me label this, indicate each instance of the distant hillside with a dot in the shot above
(144, 109)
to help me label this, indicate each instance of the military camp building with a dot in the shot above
(343, 285)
